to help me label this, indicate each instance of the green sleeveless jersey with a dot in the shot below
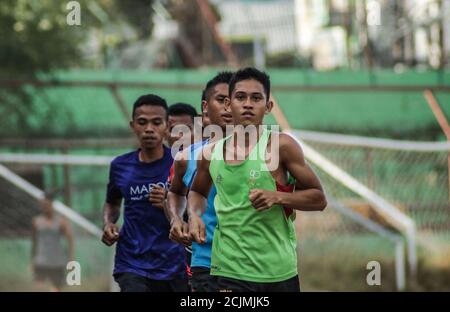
(249, 245)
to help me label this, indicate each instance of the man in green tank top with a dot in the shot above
(254, 245)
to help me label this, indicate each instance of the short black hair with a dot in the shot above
(250, 73)
(221, 77)
(150, 99)
(180, 109)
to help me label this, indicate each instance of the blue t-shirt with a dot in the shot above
(201, 253)
(144, 247)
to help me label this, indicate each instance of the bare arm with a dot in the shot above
(308, 195)
(197, 199)
(176, 197)
(176, 202)
(157, 197)
(201, 186)
(111, 214)
(304, 198)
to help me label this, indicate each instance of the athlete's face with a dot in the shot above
(248, 103)
(174, 136)
(150, 126)
(215, 108)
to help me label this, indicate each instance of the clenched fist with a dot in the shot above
(110, 234)
(263, 199)
(157, 196)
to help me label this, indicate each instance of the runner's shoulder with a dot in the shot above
(288, 145)
(287, 140)
(124, 158)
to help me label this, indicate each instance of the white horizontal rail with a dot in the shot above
(400, 275)
(398, 219)
(360, 141)
(58, 206)
(52, 159)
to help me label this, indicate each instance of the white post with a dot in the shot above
(400, 265)
(400, 278)
(401, 221)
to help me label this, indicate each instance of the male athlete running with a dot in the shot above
(213, 99)
(180, 114)
(254, 246)
(146, 259)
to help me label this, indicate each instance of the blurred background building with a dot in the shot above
(321, 34)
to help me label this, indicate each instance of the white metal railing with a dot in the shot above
(50, 159)
(360, 141)
(403, 223)
(400, 274)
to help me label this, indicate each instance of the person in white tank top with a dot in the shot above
(49, 255)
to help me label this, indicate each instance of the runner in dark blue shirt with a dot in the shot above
(146, 259)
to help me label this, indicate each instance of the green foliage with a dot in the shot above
(37, 41)
(36, 38)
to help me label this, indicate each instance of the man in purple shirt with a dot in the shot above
(146, 259)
